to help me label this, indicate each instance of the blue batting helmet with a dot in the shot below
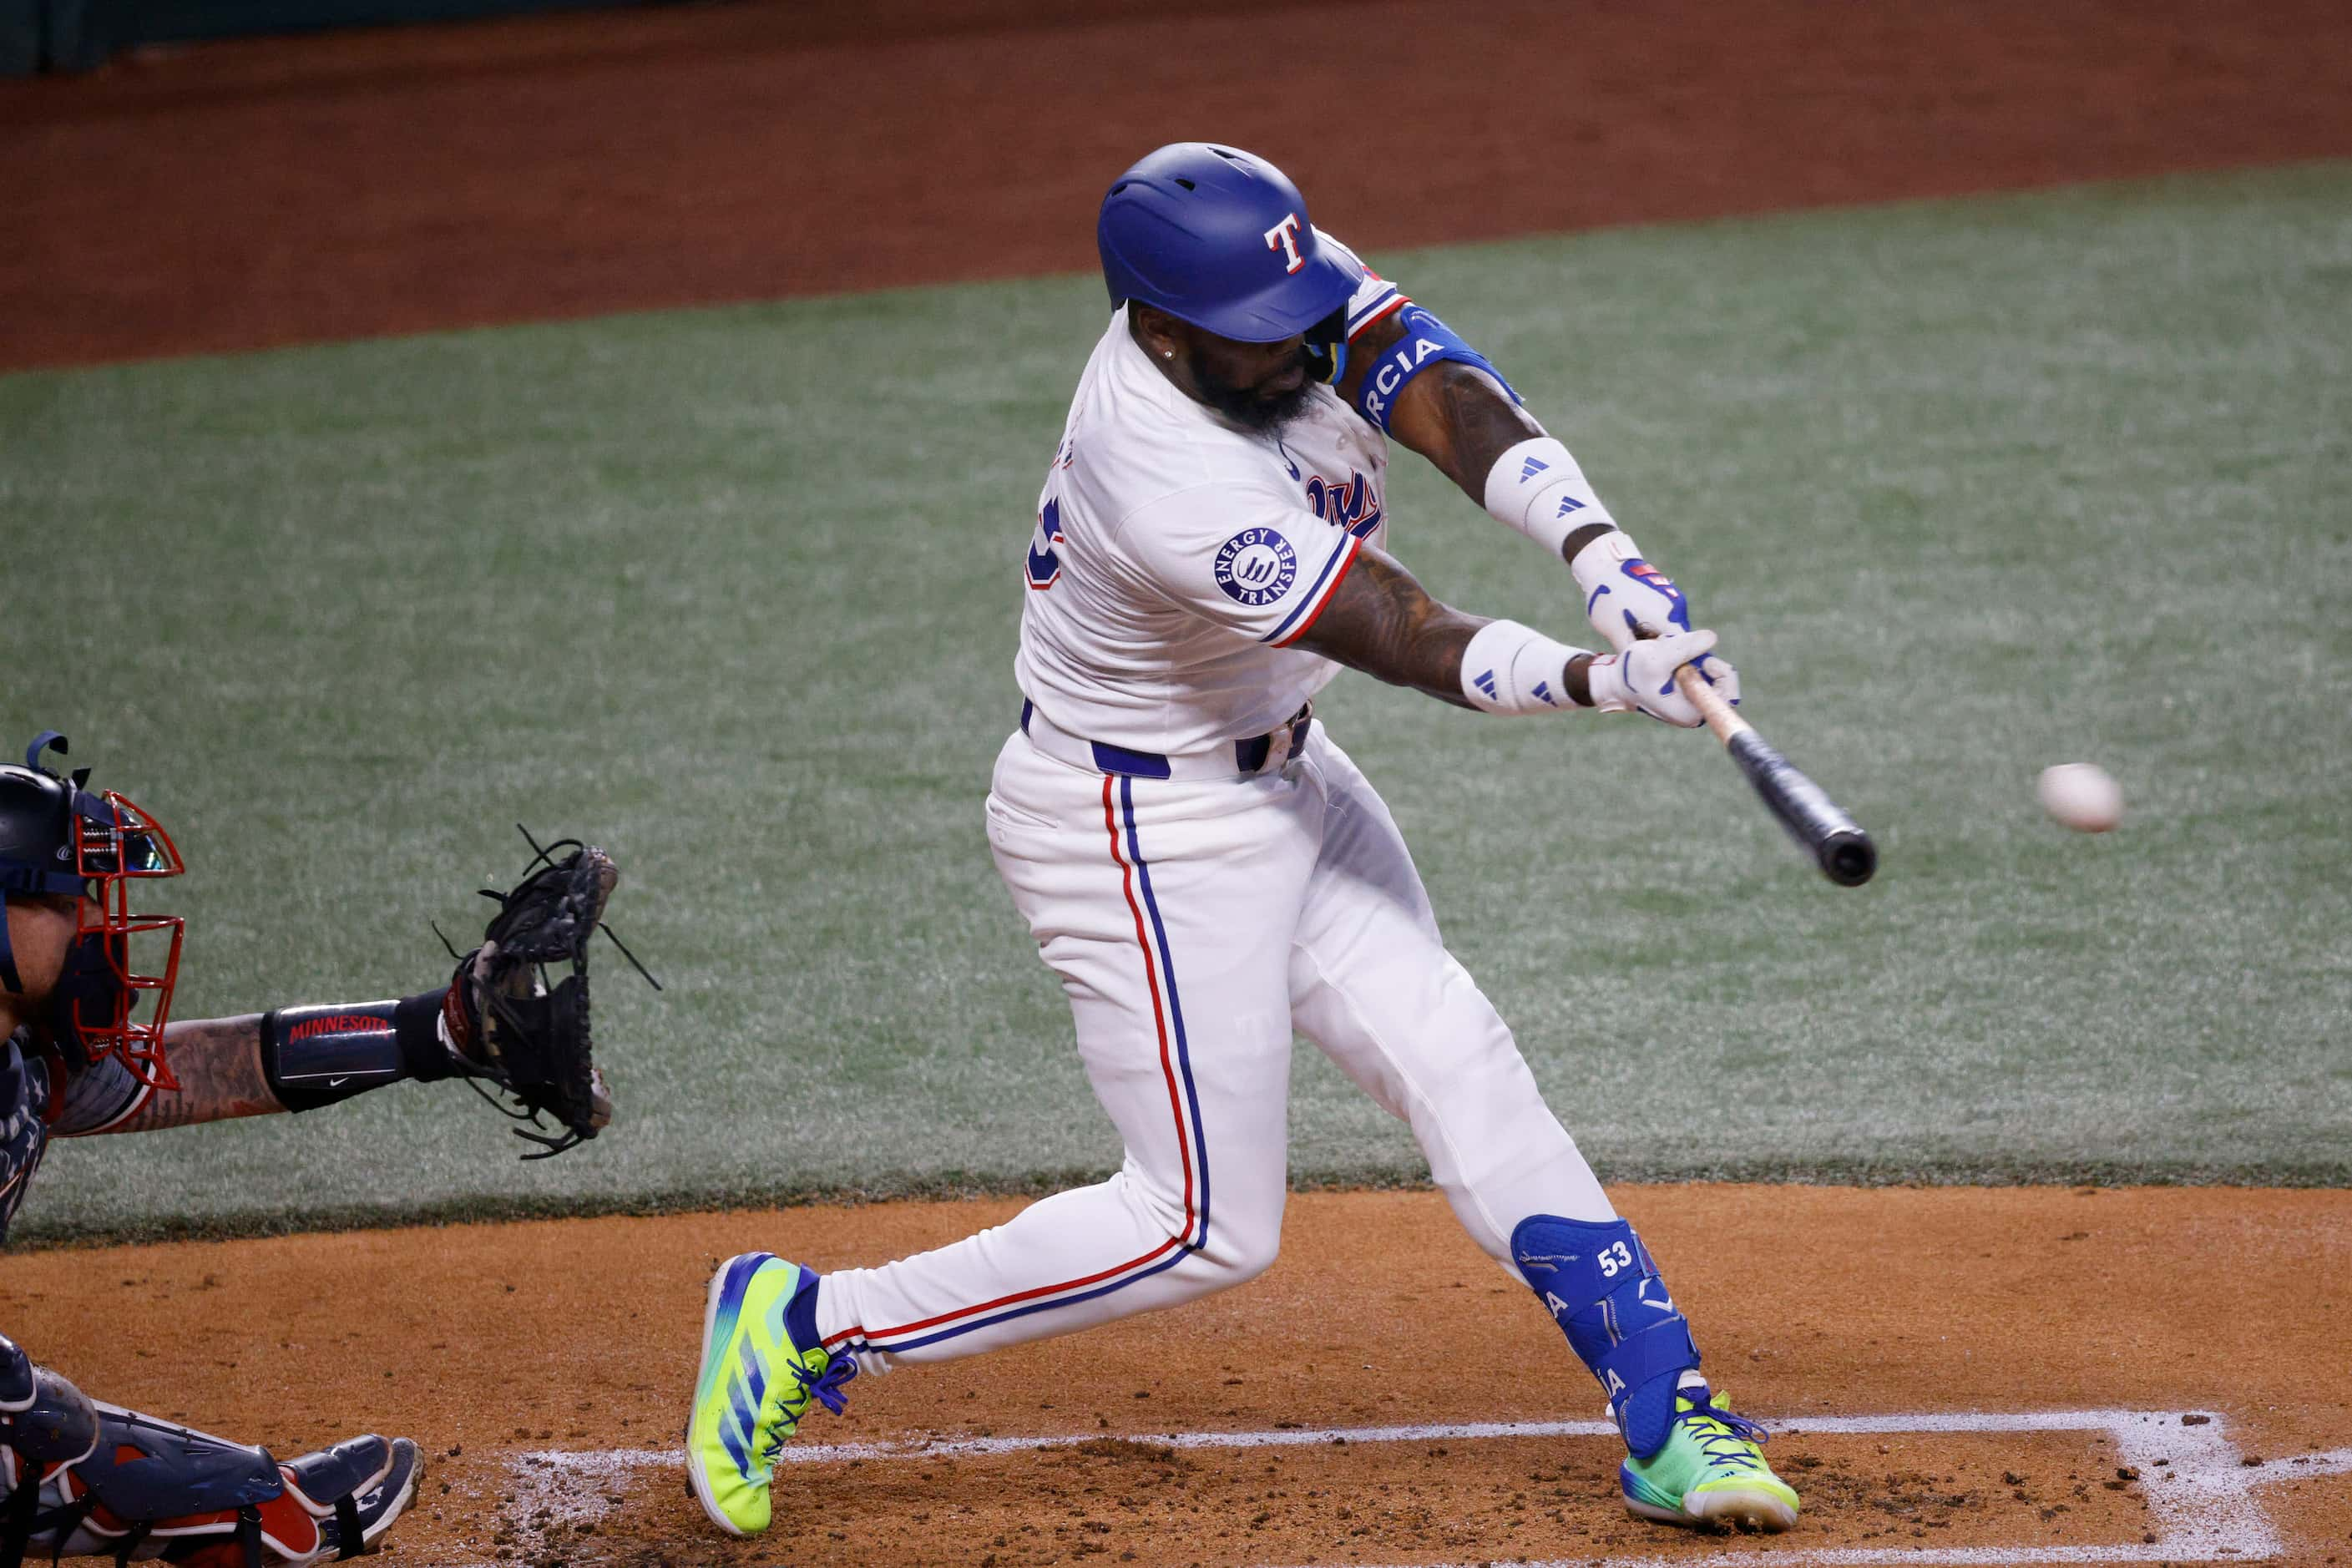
(1219, 238)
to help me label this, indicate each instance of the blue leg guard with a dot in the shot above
(149, 1469)
(1601, 1287)
(44, 1419)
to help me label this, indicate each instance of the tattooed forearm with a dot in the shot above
(1379, 621)
(1455, 414)
(1456, 417)
(218, 1064)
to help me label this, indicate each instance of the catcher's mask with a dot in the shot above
(59, 839)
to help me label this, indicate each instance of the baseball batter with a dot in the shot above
(1206, 870)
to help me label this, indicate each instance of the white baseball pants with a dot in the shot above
(1194, 926)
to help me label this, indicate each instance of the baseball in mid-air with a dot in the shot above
(2081, 795)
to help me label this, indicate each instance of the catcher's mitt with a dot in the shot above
(509, 1024)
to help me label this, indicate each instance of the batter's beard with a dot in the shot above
(1246, 406)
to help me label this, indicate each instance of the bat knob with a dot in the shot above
(1848, 858)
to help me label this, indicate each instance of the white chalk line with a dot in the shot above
(622, 1460)
(2201, 1500)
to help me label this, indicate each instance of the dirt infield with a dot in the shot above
(290, 191)
(489, 1343)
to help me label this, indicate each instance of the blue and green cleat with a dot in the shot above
(1709, 1471)
(762, 1365)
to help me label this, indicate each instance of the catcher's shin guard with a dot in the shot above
(1600, 1285)
(145, 1482)
(149, 1488)
(44, 1419)
(46, 1425)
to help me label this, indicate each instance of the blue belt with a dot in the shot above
(1249, 756)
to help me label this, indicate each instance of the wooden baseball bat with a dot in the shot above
(1835, 841)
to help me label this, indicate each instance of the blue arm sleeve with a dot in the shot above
(1427, 341)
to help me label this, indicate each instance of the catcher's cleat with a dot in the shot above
(762, 1365)
(1710, 1471)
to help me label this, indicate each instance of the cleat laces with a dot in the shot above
(1723, 1436)
(826, 1389)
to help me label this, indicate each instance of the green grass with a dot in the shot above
(1969, 488)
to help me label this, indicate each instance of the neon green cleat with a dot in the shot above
(1709, 1472)
(756, 1383)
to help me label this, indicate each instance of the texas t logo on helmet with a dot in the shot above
(1283, 237)
(1189, 230)
(61, 840)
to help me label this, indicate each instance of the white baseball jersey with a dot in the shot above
(1178, 556)
(1195, 921)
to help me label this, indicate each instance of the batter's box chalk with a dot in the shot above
(2210, 1513)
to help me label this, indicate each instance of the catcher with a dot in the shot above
(85, 1012)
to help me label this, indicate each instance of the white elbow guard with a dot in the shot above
(1536, 488)
(1512, 669)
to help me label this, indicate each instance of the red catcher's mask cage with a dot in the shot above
(114, 844)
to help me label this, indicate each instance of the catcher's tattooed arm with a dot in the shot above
(502, 1018)
(295, 1060)
(1381, 621)
(218, 1064)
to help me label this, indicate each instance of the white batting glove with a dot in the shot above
(1625, 597)
(1642, 678)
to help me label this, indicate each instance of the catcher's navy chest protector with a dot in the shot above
(23, 1127)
